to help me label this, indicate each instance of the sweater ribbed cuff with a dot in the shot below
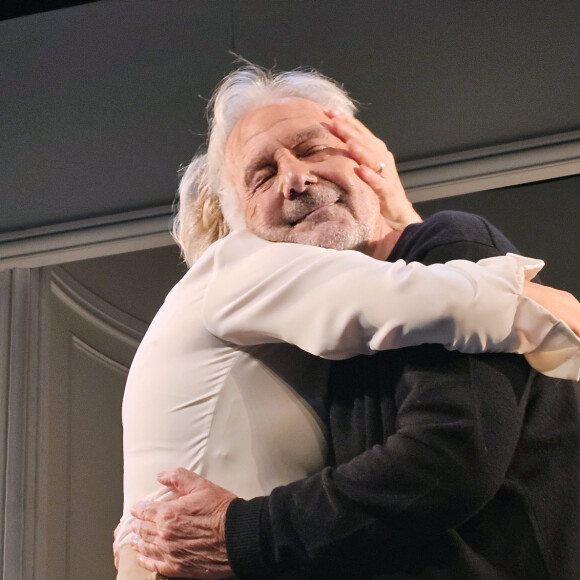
(245, 531)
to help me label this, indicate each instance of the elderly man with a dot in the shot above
(444, 465)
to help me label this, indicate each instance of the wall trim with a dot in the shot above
(89, 238)
(20, 382)
(470, 171)
(100, 313)
(493, 167)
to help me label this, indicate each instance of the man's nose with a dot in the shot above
(296, 176)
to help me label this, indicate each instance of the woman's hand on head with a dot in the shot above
(376, 167)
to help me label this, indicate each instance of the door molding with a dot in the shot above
(23, 372)
(29, 395)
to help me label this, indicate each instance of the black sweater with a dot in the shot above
(445, 466)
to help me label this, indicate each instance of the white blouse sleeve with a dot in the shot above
(336, 304)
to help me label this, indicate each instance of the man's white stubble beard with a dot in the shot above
(333, 227)
(320, 217)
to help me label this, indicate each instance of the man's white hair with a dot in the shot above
(204, 183)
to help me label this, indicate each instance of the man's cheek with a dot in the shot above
(252, 212)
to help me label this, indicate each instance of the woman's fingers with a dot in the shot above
(376, 167)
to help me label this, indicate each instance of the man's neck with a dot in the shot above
(381, 248)
(385, 245)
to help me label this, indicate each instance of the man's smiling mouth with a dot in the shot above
(314, 211)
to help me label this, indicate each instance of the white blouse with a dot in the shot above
(211, 385)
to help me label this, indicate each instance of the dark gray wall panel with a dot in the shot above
(540, 218)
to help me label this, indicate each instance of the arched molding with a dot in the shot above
(95, 310)
(98, 356)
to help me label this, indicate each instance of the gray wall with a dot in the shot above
(101, 103)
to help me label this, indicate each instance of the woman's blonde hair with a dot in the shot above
(199, 221)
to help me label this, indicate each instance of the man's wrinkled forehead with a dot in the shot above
(289, 122)
(281, 115)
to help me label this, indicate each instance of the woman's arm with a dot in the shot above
(339, 304)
